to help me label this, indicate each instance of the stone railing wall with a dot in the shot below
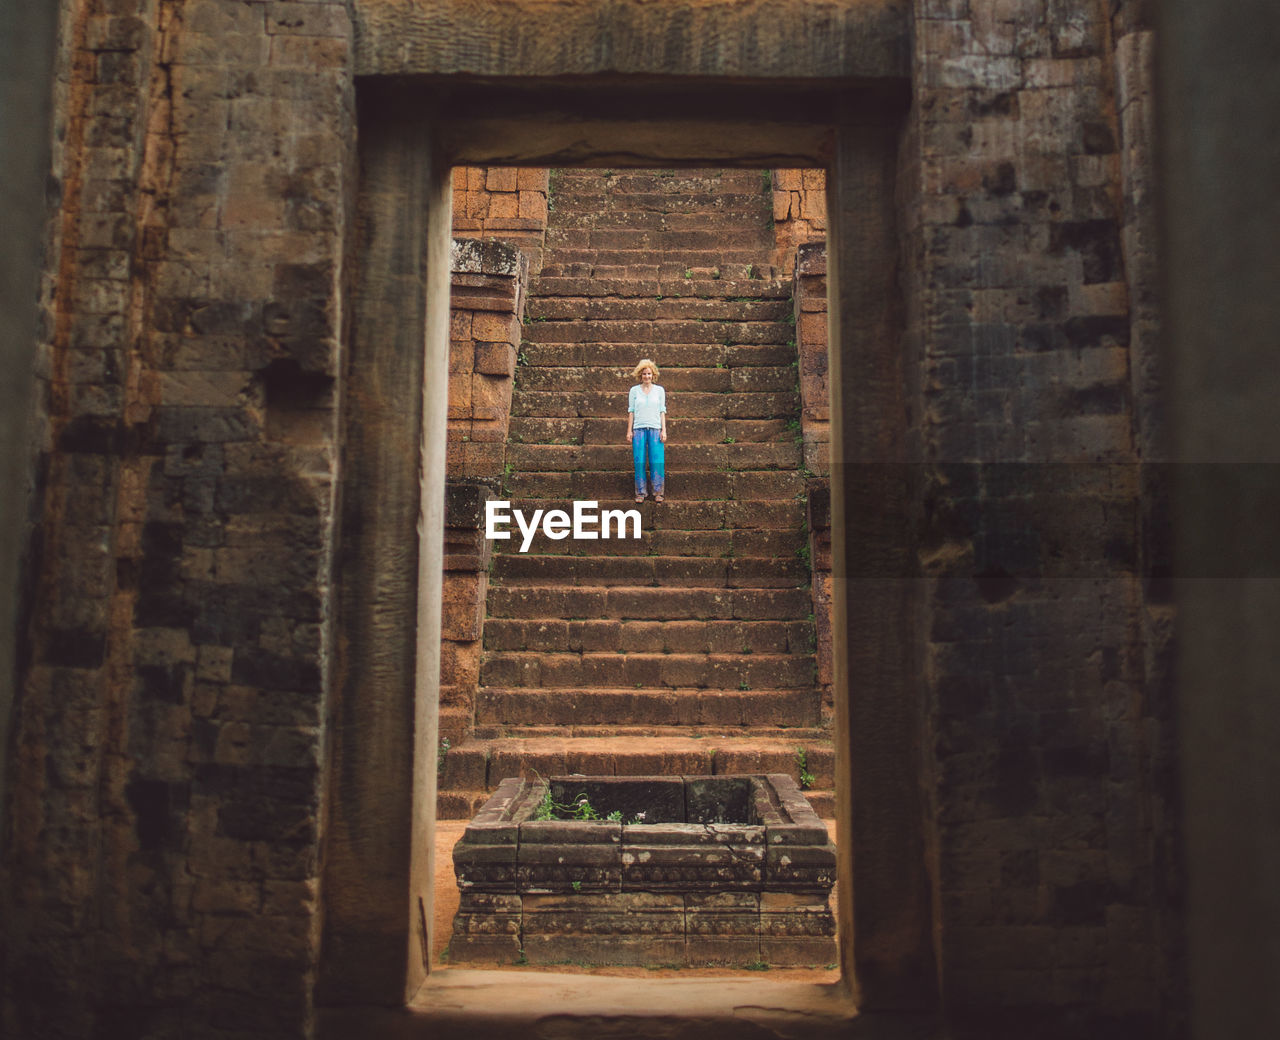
(809, 294)
(486, 310)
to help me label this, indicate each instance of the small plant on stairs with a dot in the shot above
(802, 764)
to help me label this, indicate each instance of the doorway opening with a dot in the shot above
(693, 648)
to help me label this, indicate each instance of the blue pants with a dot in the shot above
(647, 445)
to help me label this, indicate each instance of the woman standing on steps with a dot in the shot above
(647, 429)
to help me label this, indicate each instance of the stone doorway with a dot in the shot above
(382, 776)
(402, 175)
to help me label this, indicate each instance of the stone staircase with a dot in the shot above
(691, 649)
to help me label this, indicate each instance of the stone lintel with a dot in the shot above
(716, 39)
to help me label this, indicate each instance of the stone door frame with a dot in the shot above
(381, 778)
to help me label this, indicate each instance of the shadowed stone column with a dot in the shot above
(884, 903)
(383, 784)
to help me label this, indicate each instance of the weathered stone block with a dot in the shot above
(489, 868)
(486, 928)
(490, 397)
(495, 359)
(722, 928)
(462, 605)
(801, 866)
(576, 857)
(681, 856)
(495, 327)
(635, 928)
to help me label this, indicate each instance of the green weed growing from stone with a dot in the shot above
(802, 765)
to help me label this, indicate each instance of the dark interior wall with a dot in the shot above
(1219, 95)
(27, 34)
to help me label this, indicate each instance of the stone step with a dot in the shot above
(668, 672)
(501, 731)
(698, 637)
(610, 216)
(566, 430)
(701, 178)
(753, 379)
(658, 331)
(748, 573)
(610, 404)
(662, 195)
(477, 766)
(694, 458)
(624, 355)
(718, 234)
(549, 286)
(681, 278)
(625, 707)
(705, 181)
(686, 485)
(673, 515)
(624, 603)
(660, 541)
(655, 308)
(693, 263)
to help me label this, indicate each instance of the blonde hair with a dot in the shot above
(644, 363)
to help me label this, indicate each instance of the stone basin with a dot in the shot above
(698, 870)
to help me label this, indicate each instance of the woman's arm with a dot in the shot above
(631, 418)
(662, 415)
